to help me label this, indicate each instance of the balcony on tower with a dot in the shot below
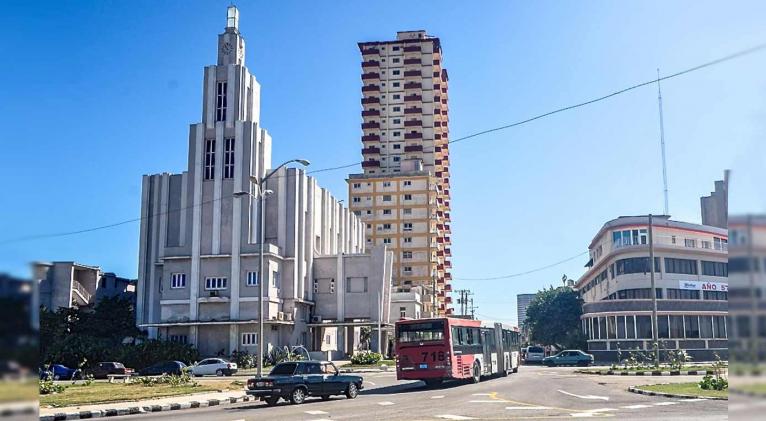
(370, 113)
(371, 88)
(414, 135)
(371, 138)
(371, 76)
(371, 125)
(414, 97)
(411, 61)
(370, 64)
(370, 51)
(447, 287)
(448, 299)
(411, 48)
(412, 73)
(371, 100)
(371, 163)
(370, 150)
(413, 123)
(413, 148)
(413, 110)
(413, 85)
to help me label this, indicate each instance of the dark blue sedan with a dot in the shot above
(59, 372)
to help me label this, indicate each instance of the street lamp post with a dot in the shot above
(655, 333)
(262, 193)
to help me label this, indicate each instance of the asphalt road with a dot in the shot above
(532, 393)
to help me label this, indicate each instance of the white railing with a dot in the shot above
(80, 289)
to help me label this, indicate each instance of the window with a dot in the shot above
(396, 85)
(356, 199)
(396, 72)
(386, 184)
(395, 48)
(406, 255)
(358, 213)
(209, 159)
(276, 279)
(644, 327)
(407, 197)
(706, 244)
(397, 159)
(683, 294)
(719, 327)
(396, 60)
(402, 312)
(332, 286)
(407, 183)
(663, 327)
(316, 286)
(676, 326)
(250, 339)
(228, 158)
(220, 101)
(396, 134)
(397, 146)
(387, 198)
(407, 211)
(397, 109)
(706, 327)
(397, 96)
(215, 283)
(630, 327)
(397, 121)
(635, 265)
(386, 211)
(682, 266)
(181, 339)
(692, 327)
(407, 240)
(715, 295)
(691, 243)
(386, 226)
(357, 185)
(715, 268)
(252, 279)
(407, 226)
(386, 241)
(720, 243)
(630, 237)
(408, 269)
(177, 280)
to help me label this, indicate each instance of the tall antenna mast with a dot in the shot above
(662, 143)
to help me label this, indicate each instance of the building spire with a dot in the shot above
(232, 18)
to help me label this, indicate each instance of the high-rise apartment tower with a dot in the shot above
(403, 193)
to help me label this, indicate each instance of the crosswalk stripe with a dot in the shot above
(315, 412)
(455, 417)
(481, 394)
(665, 403)
(385, 403)
(437, 397)
(695, 400)
(636, 406)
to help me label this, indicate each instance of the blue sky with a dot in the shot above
(98, 93)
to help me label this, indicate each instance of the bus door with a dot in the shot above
(488, 350)
(500, 348)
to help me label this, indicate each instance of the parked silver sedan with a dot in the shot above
(214, 367)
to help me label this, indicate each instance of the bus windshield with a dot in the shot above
(419, 332)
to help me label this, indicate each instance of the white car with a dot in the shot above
(214, 366)
(535, 354)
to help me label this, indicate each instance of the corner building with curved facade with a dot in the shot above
(691, 278)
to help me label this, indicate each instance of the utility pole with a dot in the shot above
(463, 300)
(662, 144)
(655, 332)
(473, 309)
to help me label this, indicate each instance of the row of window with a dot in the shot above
(407, 226)
(248, 339)
(406, 240)
(636, 237)
(672, 265)
(668, 327)
(672, 294)
(228, 159)
(178, 281)
(405, 183)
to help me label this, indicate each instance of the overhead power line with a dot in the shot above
(514, 275)
(460, 139)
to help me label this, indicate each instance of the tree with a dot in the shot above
(553, 318)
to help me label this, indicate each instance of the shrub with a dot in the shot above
(172, 380)
(244, 359)
(48, 387)
(366, 358)
(713, 383)
(678, 358)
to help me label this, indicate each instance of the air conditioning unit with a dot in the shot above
(289, 317)
(316, 319)
(280, 315)
(213, 293)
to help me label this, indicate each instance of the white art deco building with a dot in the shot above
(198, 261)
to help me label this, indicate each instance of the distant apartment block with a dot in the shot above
(715, 207)
(403, 194)
(68, 284)
(522, 302)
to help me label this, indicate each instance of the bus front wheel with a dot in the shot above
(476, 376)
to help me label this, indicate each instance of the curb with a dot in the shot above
(12, 412)
(648, 373)
(633, 389)
(113, 412)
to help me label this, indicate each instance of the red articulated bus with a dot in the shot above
(438, 349)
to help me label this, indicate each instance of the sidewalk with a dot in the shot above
(171, 403)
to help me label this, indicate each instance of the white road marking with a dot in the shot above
(666, 403)
(604, 398)
(367, 381)
(481, 394)
(454, 417)
(385, 403)
(313, 413)
(487, 401)
(636, 406)
(582, 414)
(437, 397)
(536, 408)
(595, 411)
(695, 400)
